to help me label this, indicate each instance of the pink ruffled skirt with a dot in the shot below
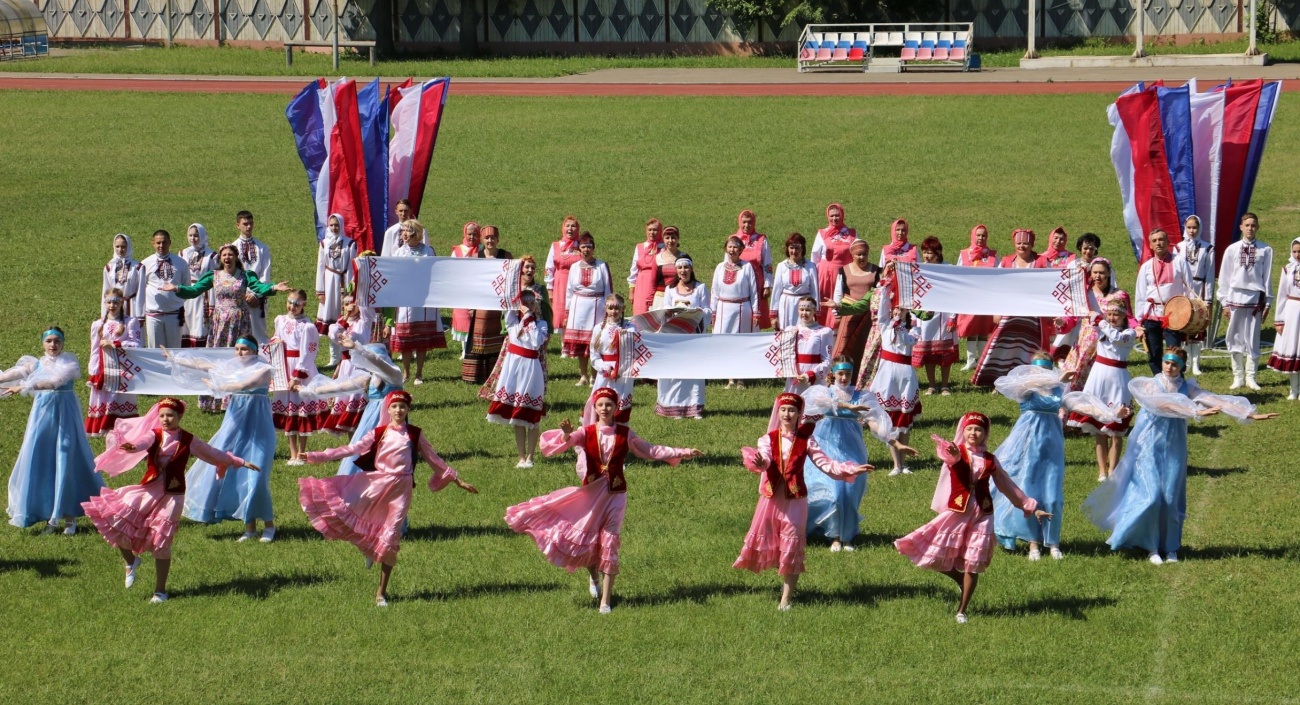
(138, 518)
(777, 537)
(960, 541)
(366, 509)
(574, 527)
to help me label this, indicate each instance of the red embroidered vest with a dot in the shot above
(789, 473)
(366, 461)
(173, 473)
(964, 484)
(617, 455)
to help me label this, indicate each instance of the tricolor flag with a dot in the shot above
(1178, 152)
(342, 135)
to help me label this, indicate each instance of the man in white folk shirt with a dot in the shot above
(163, 310)
(1245, 285)
(1159, 279)
(255, 257)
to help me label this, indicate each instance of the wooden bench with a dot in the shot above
(289, 45)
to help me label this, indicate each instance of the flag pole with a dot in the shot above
(335, 5)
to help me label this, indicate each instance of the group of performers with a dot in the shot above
(856, 356)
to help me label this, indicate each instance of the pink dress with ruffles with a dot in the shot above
(579, 527)
(367, 509)
(779, 532)
(961, 541)
(144, 518)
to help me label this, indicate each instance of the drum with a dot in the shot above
(1187, 315)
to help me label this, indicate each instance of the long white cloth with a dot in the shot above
(439, 282)
(705, 356)
(989, 291)
(146, 371)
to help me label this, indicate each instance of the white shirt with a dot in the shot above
(156, 271)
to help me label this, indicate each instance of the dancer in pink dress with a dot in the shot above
(778, 535)
(579, 527)
(758, 253)
(830, 252)
(368, 509)
(562, 255)
(143, 518)
(959, 541)
(645, 267)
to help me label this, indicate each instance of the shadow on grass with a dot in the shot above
(1071, 607)
(695, 594)
(1201, 553)
(866, 594)
(1205, 431)
(1193, 471)
(863, 541)
(435, 532)
(43, 567)
(870, 595)
(258, 588)
(485, 590)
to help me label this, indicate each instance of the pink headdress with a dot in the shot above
(469, 234)
(604, 393)
(897, 242)
(1020, 235)
(789, 399)
(1052, 251)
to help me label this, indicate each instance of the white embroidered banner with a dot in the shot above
(146, 371)
(993, 291)
(439, 282)
(704, 356)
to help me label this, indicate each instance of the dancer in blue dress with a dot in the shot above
(55, 470)
(376, 373)
(1034, 454)
(1143, 504)
(247, 431)
(834, 506)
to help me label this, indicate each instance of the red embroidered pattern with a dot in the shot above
(729, 275)
(377, 280)
(519, 399)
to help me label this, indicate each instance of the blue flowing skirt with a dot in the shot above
(1144, 503)
(55, 470)
(1034, 457)
(834, 505)
(248, 432)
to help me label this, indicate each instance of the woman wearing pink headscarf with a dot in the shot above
(976, 329)
(830, 252)
(642, 275)
(1056, 254)
(1016, 338)
(561, 256)
(898, 249)
(470, 246)
(759, 255)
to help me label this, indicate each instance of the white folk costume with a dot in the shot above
(812, 360)
(1286, 346)
(791, 282)
(294, 414)
(346, 408)
(333, 276)
(895, 383)
(417, 329)
(1245, 285)
(1108, 380)
(107, 407)
(518, 396)
(606, 342)
(1158, 280)
(936, 342)
(681, 398)
(587, 288)
(255, 257)
(198, 312)
(734, 298)
(164, 311)
(1199, 256)
(122, 273)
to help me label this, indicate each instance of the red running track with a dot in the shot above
(471, 87)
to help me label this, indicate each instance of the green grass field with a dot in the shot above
(477, 613)
(236, 61)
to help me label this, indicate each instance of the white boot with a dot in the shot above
(1238, 376)
(1194, 355)
(335, 352)
(1251, 367)
(1295, 386)
(972, 356)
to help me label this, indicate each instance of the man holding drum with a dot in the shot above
(1159, 279)
(1245, 279)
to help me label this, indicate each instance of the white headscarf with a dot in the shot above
(1294, 261)
(129, 249)
(203, 235)
(330, 237)
(1200, 229)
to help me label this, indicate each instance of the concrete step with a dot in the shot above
(1157, 61)
(885, 65)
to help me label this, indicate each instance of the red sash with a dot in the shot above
(173, 473)
(617, 455)
(366, 461)
(1110, 362)
(964, 484)
(895, 357)
(803, 359)
(521, 352)
(788, 473)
